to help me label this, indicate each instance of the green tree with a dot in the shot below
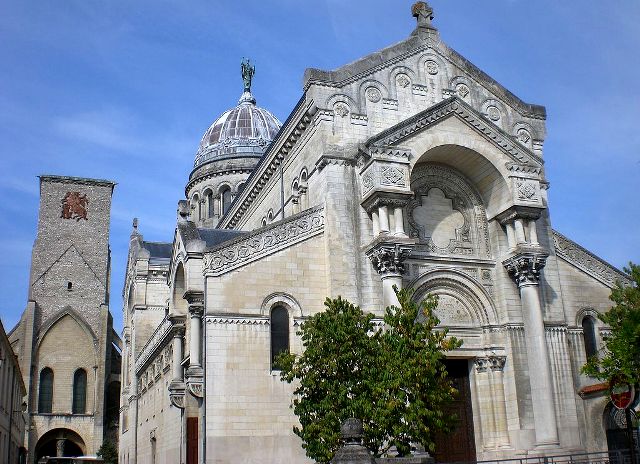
(393, 380)
(621, 357)
(108, 453)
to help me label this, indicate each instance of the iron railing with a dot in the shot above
(601, 457)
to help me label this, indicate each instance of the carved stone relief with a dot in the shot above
(462, 91)
(432, 67)
(373, 95)
(403, 80)
(452, 311)
(447, 216)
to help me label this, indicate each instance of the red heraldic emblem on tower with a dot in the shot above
(74, 206)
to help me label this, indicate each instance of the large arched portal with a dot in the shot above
(60, 442)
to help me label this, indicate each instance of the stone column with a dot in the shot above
(511, 235)
(195, 372)
(375, 218)
(177, 386)
(388, 260)
(195, 327)
(485, 399)
(177, 354)
(519, 226)
(533, 232)
(496, 365)
(525, 267)
(398, 221)
(383, 217)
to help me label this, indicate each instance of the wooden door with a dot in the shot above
(459, 444)
(192, 440)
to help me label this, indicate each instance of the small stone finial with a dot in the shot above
(135, 224)
(351, 430)
(247, 74)
(183, 211)
(423, 13)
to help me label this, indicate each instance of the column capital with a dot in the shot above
(388, 257)
(481, 363)
(525, 266)
(496, 363)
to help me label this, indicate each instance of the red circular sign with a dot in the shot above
(622, 395)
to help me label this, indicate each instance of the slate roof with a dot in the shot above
(214, 237)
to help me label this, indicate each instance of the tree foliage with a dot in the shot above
(393, 379)
(108, 452)
(621, 357)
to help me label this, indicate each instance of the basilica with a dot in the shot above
(408, 167)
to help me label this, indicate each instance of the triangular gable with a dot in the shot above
(71, 247)
(455, 107)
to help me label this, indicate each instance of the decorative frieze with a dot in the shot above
(576, 255)
(264, 242)
(237, 320)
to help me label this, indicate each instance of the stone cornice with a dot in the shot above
(263, 242)
(587, 262)
(159, 339)
(212, 174)
(455, 106)
(291, 131)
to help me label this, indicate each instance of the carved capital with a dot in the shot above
(496, 363)
(388, 258)
(481, 364)
(196, 310)
(194, 297)
(525, 267)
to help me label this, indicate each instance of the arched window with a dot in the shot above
(45, 397)
(225, 195)
(589, 334)
(79, 392)
(195, 208)
(279, 332)
(209, 196)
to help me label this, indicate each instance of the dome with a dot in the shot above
(243, 131)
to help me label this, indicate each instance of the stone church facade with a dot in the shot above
(65, 344)
(408, 167)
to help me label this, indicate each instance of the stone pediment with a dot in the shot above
(455, 107)
(404, 53)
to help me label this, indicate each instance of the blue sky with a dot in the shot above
(124, 90)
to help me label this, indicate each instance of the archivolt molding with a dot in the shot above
(281, 299)
(66, 311)
(263, 242)
(587, 262)
(473, 236)
(584, 312)
(458, 285)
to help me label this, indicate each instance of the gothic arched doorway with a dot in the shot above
(60, 442)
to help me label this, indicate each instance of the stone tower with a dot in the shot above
(67, 348)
